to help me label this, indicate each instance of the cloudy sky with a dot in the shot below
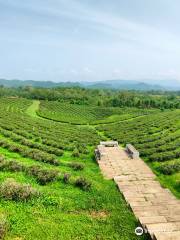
(64, 40)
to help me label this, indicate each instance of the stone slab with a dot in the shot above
(154, 206)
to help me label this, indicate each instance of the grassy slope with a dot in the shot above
(32, 109)
(64, 211)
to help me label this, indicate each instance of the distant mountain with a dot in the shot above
(44, 84)
(125, 85)
(109, 84)
(170, 84)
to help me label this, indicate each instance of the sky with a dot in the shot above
(90, 40)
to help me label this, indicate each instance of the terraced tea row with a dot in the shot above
(48, 133)
(50, 186)
(157, 137)
(83, 114)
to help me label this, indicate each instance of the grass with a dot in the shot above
(33, 108)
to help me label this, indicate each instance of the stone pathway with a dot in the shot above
(155, 207)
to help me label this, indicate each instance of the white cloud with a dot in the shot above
(74, 72)
(117, 71)
(88, 70)
(31, 70)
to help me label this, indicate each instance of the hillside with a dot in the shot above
(50, 184)
(55, 188)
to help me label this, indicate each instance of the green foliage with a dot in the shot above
(12, 190)
(76, 166)
(50, 201)
(66, 177)
(76, 153)
(43, 176)
(169, 169)
(98, 97)
(157, 138)
(83, 183)
(11, 165)
(63, 211)
(3, 226)
(82, 114)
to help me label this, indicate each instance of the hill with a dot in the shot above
(125, 85)
(50, 184)
(108, 84)
(44, 84)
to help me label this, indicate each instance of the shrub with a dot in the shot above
(76, 153)
(164, 156)
(13, 166)
(2, 163)
(12, 190)
(58, 152)
(169, 169)
(16, 149)
(76, 166)
(3, 226)
(83, 150)
(66, 177)
(1, 157)
(177, 185)
(46, 176)
(83, 184)
(33, 170)
(43, 176)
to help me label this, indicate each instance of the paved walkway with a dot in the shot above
(155, 207)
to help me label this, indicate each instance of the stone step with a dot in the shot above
(167, 236)
(155, 207)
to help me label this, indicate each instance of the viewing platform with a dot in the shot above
(157, 210)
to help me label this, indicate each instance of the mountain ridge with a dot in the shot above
(107, 84)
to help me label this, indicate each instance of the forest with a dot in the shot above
(98, 97)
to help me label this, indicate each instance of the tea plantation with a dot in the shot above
(83, 114)
(50, 184)
(157, 137)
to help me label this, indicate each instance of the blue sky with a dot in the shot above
(75, 40)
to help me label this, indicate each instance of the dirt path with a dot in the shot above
(155, 207)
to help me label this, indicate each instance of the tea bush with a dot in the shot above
(76, 166)
(66, 177)
(169, 169)
(82, 183)
(12, 190)
(43, 176)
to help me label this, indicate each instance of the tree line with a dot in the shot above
(97, 97)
